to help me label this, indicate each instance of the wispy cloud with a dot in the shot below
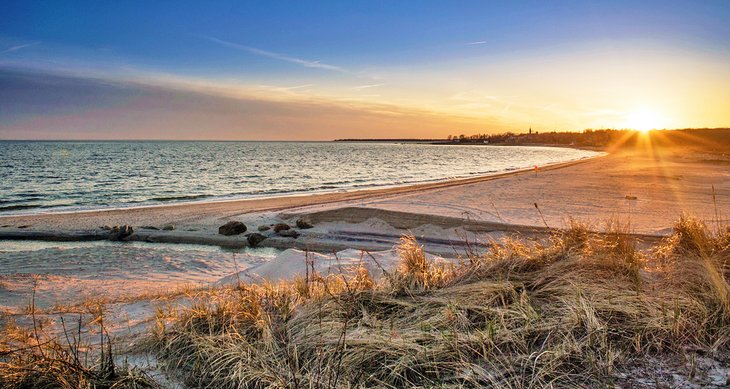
(281, 57)
(18, 47)
(285, 88)
(475, 43)
(368, 86)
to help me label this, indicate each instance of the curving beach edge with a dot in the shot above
(632, 186)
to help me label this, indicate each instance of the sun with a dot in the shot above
(644, 120)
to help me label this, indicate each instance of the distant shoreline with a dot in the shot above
(451, 143)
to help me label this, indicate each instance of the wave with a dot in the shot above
(182, 197)
(19, 207)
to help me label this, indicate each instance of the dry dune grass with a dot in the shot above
(573, 310)
(27, 362)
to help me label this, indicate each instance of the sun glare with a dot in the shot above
(644, 120)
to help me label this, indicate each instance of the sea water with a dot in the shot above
(67, 176)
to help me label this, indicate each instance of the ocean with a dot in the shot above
(67, 176)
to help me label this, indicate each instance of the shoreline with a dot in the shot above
(316, 198)
(375, 189)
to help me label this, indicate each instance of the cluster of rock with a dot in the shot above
(231, 228)
(123, 232)
(255, 238)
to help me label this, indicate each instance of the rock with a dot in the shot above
(106, 228)
(168, 227)
(120, 232)
(232, 228)
(281, 227)
(304, 224)
(255, 238)
(289, 233)
(631, 198)
(264, 228)
(149, 228)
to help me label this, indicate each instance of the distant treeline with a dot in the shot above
(704, 138)
(715, 139)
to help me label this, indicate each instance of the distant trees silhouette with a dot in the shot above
(705, 138)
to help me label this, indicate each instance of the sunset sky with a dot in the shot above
(275, 70)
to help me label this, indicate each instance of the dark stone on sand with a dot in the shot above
(149, 228)
(106, 228)
(22, 227)
(168, 227)
(304, 224)
(631, 198)
(264, 228)
(289, 233)
(281, 227)
(255, 238)
(120, 232)
(232, 228)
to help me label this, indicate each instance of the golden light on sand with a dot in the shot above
(645, 120)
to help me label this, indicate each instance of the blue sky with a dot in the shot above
(475, 65)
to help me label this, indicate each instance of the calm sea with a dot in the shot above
(66, 176)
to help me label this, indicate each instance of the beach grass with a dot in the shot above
(30, 360)
(578, 309)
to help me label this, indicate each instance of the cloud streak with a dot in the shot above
(286, 88)
(18, 47)
(282, 57)
(361, 87)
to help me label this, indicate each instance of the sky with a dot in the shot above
(306, 70)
